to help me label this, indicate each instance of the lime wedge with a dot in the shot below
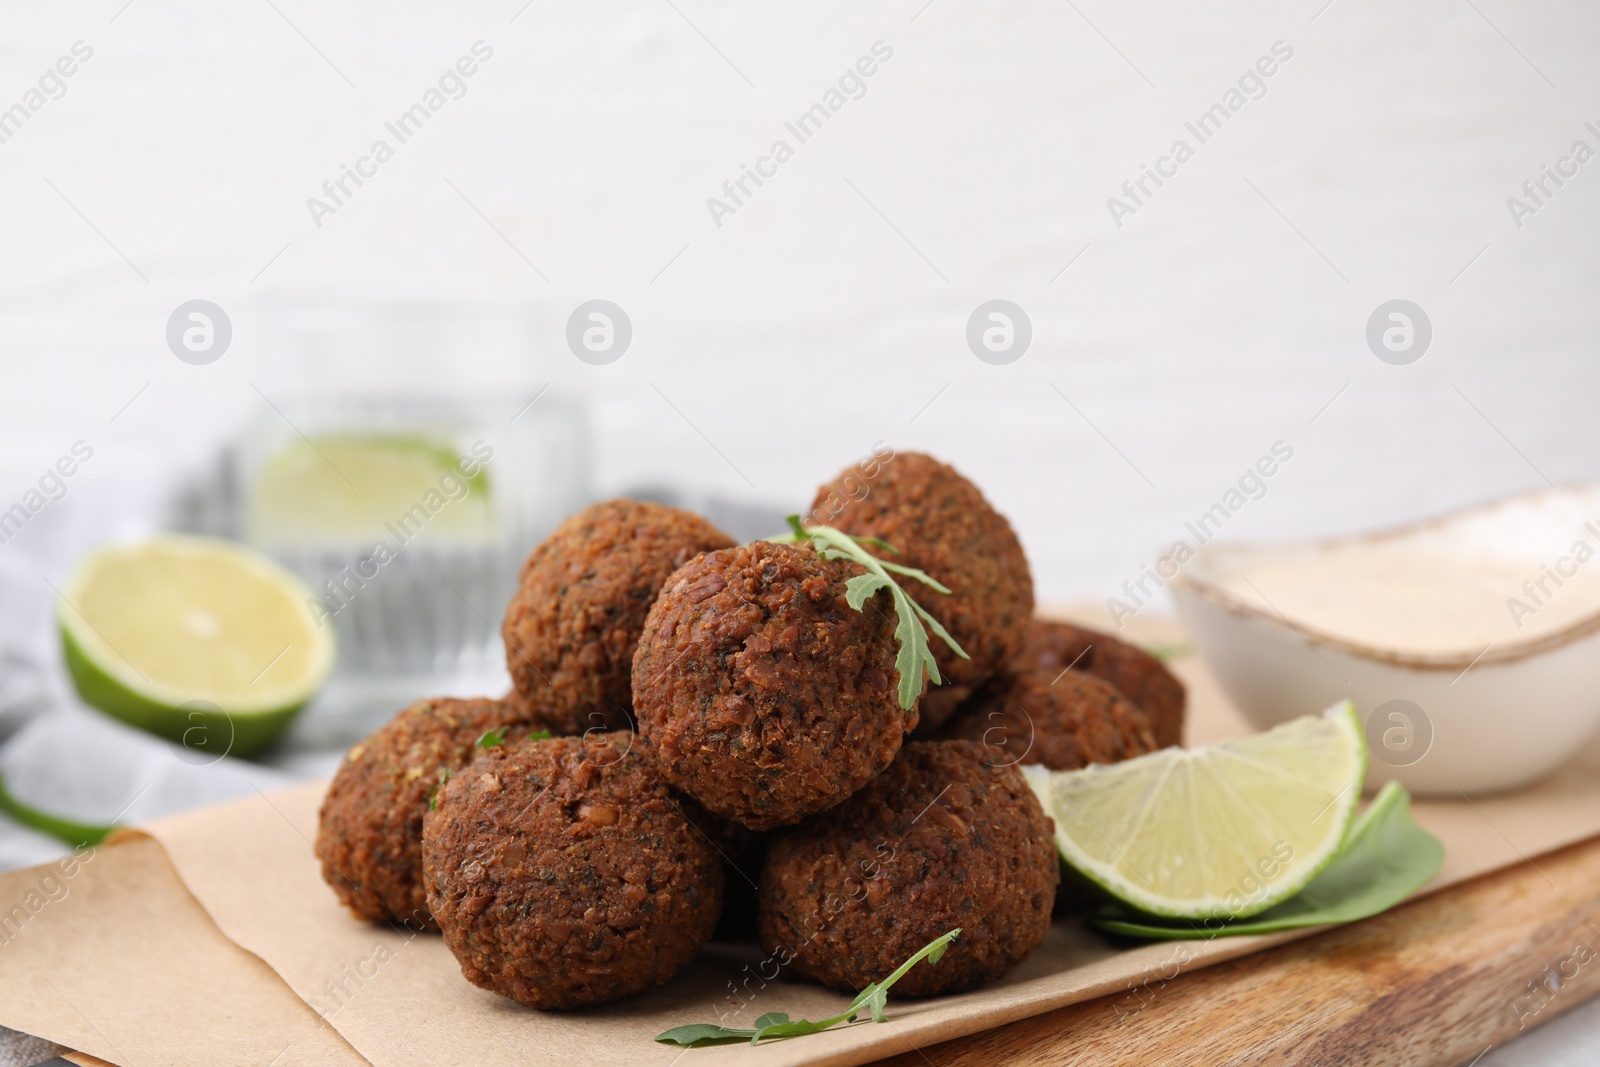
(1225, 831)
(342, 488)
(196, 640)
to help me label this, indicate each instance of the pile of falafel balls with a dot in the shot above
(706, 733)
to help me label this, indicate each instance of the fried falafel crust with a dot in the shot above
(1064, 721)
(1143, 679)
(943, 838)
(581, 600)
(369, 831)
(564, 873)
(939, 522)
(760, 692)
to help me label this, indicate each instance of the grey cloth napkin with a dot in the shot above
(24, 1050)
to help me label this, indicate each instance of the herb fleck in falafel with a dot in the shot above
(369, 832)
(571, 628)
(942, 838)
(760, 692)
(939, 522)
(1139, 676)
(563, 873)
(1065, 721)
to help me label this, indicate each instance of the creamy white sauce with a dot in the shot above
(1421, 602)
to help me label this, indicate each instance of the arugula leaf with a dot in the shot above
(921, 576)
(776, 1024)
(1385, 858)
(878, 542)
(701, 1035)
(876, 995)
(496, 737)
(862, 586)
(76, 834)
(914, 656)
(914, 659)
(433, 794)
(936, 626)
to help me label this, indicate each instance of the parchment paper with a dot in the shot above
(110, 955)
(399, 998)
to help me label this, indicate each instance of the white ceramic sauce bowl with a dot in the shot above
(1439, 724)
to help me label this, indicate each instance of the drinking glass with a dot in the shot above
(408, 516)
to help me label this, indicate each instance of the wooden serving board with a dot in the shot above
(1433, 983)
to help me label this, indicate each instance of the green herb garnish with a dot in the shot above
(776, 1024)
(497, 737)
(76, 834)
(433, 794)
(915, 656)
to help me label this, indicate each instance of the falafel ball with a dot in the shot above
(760, 692)
(571, 628)
(563, 873)
(369, 832)
(939, 522)
(1143, 679)
(1064, 721)
(944, 838)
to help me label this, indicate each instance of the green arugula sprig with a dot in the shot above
(915, 656)
(433, 794)
(775, 1024)
(497, 737)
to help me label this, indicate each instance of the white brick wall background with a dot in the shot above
(827, 312)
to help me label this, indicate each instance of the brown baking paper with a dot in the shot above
(399, 998)
(107, 953)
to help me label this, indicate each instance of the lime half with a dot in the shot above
(1223, 831)
(343, 488)
(192, 639)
